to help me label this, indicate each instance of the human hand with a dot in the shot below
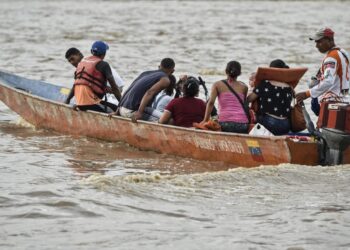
(301, 96)
(76, 108)
(108, 90)
(136, 116)
(112, 114)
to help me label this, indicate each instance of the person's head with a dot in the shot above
(278, 63)
(191, 87)
(167, 65)
(179, 85)
(99, 48)
(170, 89)
(74, 56)
(324, 39)
(233, 69)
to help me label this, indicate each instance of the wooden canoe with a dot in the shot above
(41, 104)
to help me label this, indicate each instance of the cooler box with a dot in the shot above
(334, 115)
(323, 116)
(347, 119)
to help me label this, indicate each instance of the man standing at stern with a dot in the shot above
(332, 82)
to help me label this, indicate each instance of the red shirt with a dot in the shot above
(186, 110)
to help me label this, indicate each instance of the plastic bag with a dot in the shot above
(260, 130)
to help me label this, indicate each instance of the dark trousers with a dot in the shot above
(234, 127)
(274, 125)
(103, 106)
(315, 106)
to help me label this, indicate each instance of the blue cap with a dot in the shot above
(99, 48)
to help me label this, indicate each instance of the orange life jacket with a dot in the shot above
(87, 74)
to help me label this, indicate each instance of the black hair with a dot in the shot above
(191, 87)
(278, 63)
(167, 63)
(72, 51)
(233, 69)
(178, 88)
(170, 89)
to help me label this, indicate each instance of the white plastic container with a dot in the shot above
(260, 130)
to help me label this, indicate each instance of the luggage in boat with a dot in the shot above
(347, 119)
(335, 115)
(290, 76)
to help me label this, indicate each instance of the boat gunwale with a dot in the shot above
(230, 134)
(198, 139)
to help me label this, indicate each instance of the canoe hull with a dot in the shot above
(240, 150)
(236, 149)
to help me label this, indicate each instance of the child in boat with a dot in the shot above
(274, 100)
(137, 99)
(186, 110)
(164, 97)
(232, 116)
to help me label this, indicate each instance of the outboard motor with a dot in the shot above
(334, 122)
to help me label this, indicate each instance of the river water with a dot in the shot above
(61, 192)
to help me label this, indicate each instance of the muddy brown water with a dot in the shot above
(63, 192)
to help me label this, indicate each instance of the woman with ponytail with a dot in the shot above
(231, 94)
(186, 110)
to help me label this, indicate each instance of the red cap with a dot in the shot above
(321, 33)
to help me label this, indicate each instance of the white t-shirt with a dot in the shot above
(161, 101)
(335, 76)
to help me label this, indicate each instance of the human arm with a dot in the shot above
(257, 91)
(105, 69)
(148, 96)
(70, 96)
(327, 81)
(165, 118)
(211, 102)
(115, 89)
(252, 97)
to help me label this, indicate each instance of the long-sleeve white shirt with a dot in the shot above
(334, 76)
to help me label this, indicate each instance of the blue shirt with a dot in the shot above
(134, 94)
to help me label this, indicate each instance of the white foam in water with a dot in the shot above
(23, 123)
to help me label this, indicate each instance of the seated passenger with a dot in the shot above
(74, 57)
(137, 99)
(186, 110)
(91, 77)
(274, 100)
(232, 116)
(164, 97)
